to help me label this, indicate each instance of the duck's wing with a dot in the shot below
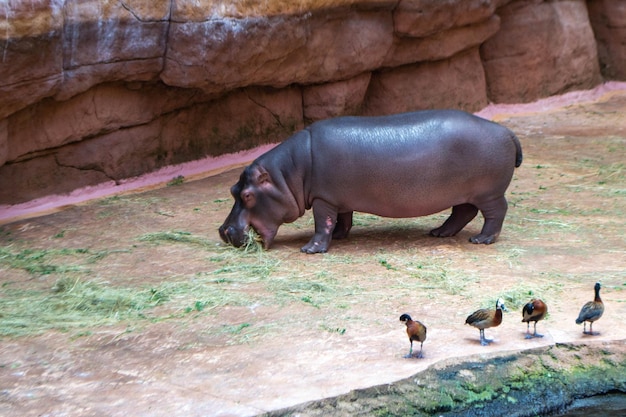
(479, 316)
(591, 311)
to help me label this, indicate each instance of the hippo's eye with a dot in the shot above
(248, 198)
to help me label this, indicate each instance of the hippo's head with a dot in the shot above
(260, 204)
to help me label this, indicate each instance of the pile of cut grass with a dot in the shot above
(45, 261)
(70, 304)
(175, 236)
(60, 291)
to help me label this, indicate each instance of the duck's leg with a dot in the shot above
(483, 340)
(528, 335)
(420, 355)
(591, 333)
(536, 334)
(410, 351)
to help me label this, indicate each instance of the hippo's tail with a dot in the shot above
(518, 150)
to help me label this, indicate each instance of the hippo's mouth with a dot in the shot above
(266, 234)
(240, 237)
(233, 236)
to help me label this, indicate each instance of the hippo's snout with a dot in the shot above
(230, 234)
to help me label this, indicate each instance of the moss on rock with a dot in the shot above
(526, 383)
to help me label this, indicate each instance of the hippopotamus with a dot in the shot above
(403, 165)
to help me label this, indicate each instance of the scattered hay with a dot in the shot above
(70, 304)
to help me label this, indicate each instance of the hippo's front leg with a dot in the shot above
(325, 217)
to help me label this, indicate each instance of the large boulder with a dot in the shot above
(4, 142)
(542, 48)
(608, 19)
(31, 48)
(111, 41)
(441, 45)
(456, 82)
(241, 120)
(50, 124)
(224, 54)
(339, 98)
(422, 18)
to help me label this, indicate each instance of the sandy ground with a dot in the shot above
(565, 230)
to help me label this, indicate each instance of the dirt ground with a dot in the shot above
(285, 327)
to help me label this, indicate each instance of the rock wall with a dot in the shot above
(102, 90)
(608, 19)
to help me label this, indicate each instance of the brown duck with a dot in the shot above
(591, 311)
(416, 332)
(534, 310)
(485, 318)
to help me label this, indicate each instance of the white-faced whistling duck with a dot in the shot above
(416, 332)
(534, 310)
(485, 318)
(591, 311)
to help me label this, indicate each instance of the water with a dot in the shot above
(611, 405)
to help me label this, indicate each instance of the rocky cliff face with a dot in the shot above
(94, 91)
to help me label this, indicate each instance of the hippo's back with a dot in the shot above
(404, 131)
(426, 155)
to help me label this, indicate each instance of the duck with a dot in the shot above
(416, 332)
(534, 310)
(591, 311)
(485, 318)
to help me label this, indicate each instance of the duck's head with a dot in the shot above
(500, 305)
(405, 317)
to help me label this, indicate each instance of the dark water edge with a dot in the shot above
(610, 405)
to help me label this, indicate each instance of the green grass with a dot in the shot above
(515, 297)
(71, 290)
(178, 180)
(175, 236)
(48, 261)
(70, 304)
(314, 291)
(63, 289)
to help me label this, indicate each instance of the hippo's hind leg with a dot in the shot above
(460, 217)
(493, 211)
(325, 217)
(343, 226)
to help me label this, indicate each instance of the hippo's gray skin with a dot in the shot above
(404, 165)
